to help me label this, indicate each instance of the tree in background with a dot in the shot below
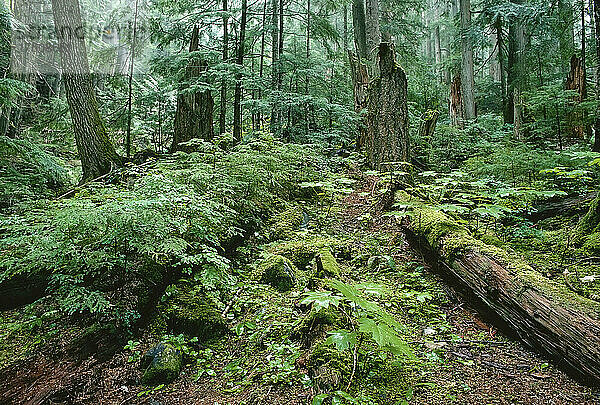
(96, 151)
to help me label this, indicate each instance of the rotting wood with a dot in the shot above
(543, 314)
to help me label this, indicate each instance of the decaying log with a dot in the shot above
(544, 314)
(568, 205)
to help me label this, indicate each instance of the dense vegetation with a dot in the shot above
(247, 202)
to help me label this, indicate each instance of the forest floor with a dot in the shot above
(462, 359)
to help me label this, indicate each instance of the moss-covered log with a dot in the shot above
(562, 205)
(544, 314)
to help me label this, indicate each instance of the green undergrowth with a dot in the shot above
(106, 250)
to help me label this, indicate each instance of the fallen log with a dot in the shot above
(542, 313)
(568, 205)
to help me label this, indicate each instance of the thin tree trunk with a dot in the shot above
(274, 62)
(237, 106)
(96, 151)
(596, 147)
(307, 106)
(223, 100)
(130, 90)
(5, 45)
(262, 60)
(467, 75)
(500, 39)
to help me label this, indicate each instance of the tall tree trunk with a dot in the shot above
(96, 151)
(194, 114)
(225, 51)
(262, 60)
(373, 35)
(360, 28)
(274, 62)
(566, 40)
(280, 48)
(456, 103)
(306, 91)
(500, 41)
(516, 76)
(5, 45)
(467, 75)
(360, 82)
(237, 103)
(438, 52)
(387, 129)
(576, 82)
(596, 147)
(130, 85)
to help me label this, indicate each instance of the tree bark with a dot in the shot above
(274, 62)
(5, 45)
(387, 122)
(516, 76)
(237, 103)
(576, 82)
(360, 28)
(544, 314)
(467, 75)
(373, 35)
(223, 99)
(96, 151)
(500, 40)
(360, 85)
(456, 103)
(194, 114)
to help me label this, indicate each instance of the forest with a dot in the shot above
(321, 202)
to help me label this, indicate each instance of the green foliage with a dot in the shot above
(27, 172)
(371, 318)
(175, 218)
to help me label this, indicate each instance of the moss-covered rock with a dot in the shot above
(316, 323)
(327, 266)
(280, 273)
(285, 223)
(162, 364)
(188, 310)
(302, 252)
(329, 368)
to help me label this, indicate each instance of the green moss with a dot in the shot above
(392, 380)
(330, 266)
(590, 223)
(592, 244)
(329, 368)
(302, 252)
(188, 310)
(280, 273)
(165, 365)
(453, 240)
(316, 322)
(285, 223)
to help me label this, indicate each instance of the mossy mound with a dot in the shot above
(163, 364)
(302, 252)
(285, 223)
(590, 223)
(316, 323)
(592, 244)
(327, 266)
(329, 368)
(391, 381)
(188, 310)
(280, 273)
